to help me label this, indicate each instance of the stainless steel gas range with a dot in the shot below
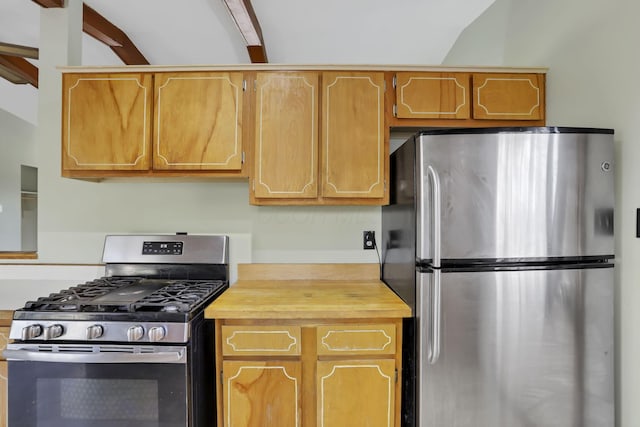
(129, 349)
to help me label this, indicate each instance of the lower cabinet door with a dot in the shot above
(262, 394)
(356, 393)
(3, 394)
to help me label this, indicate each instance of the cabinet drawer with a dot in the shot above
(356, 339)
(509, 96)
(433, 95)
(261, 340)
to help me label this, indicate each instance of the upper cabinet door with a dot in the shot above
(433, 95)
(286, 135)
(353, 137)
(198, 121)
(509, 96)
(106, 121)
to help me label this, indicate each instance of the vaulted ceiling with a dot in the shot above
(169, 32)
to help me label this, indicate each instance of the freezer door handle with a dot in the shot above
(436, 223)
(434, 327)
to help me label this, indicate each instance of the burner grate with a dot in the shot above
(178, 296)
(129, 294)
(74, 298)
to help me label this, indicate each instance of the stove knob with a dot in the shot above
(53, 331)
(30, 332)
(157, 333)
(94, 332)
(135, 333)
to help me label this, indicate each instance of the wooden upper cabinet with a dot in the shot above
(421, 95)
(286, 135)
(353, 135)
(198, 121)
(504, 96)
(106, 121)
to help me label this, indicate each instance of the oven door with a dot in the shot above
(97, 386)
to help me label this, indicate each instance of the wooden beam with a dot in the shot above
(247, 22)
(17, 50)
(21, 68)
(104, 31)
(257, 54)
(50, 3)
(12, 77)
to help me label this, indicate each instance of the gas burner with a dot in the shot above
(178, 296)
(76, 297)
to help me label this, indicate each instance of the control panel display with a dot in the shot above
(162, 248)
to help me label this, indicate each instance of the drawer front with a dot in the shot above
(356, 339)
(261, 340)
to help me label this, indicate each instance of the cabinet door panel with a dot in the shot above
(198, 121)
(356, 393)
(286, 148)
(509, 96)
(262, 394)
(353, 142)
(106, 121)
(433, 95)
(3, 394)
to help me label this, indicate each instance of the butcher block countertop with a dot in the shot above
(5, 317)
(308, 291)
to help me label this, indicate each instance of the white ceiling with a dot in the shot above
(170, 32)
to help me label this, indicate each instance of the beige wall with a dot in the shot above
(590, 47)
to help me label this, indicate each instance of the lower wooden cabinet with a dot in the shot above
(307, 374)
(4, 338)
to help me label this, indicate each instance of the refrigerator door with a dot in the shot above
(541, 193)
(516, 349)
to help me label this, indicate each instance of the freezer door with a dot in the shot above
(515, 195)
(516, 349)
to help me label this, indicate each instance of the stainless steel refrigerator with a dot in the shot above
(501, 240)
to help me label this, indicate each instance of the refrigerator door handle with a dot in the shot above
(434, 329)
(434, 179)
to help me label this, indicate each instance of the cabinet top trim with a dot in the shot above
(298, 67)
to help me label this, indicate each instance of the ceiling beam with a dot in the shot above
(247, 22)
(21, 68)
(50, 3)
(17, 50)
(98, 27)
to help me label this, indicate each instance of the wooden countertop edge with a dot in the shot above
(18, 255)
(5, 317)
(306, 314)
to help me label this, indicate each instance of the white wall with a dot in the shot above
(17, 147)
(590, 47)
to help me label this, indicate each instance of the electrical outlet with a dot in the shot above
(368, 239)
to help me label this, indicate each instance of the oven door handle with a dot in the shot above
(177, 356)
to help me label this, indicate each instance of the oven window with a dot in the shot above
(100, 399)
(45, 394)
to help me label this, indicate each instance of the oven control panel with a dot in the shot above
(61, 330)
(162, 248)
